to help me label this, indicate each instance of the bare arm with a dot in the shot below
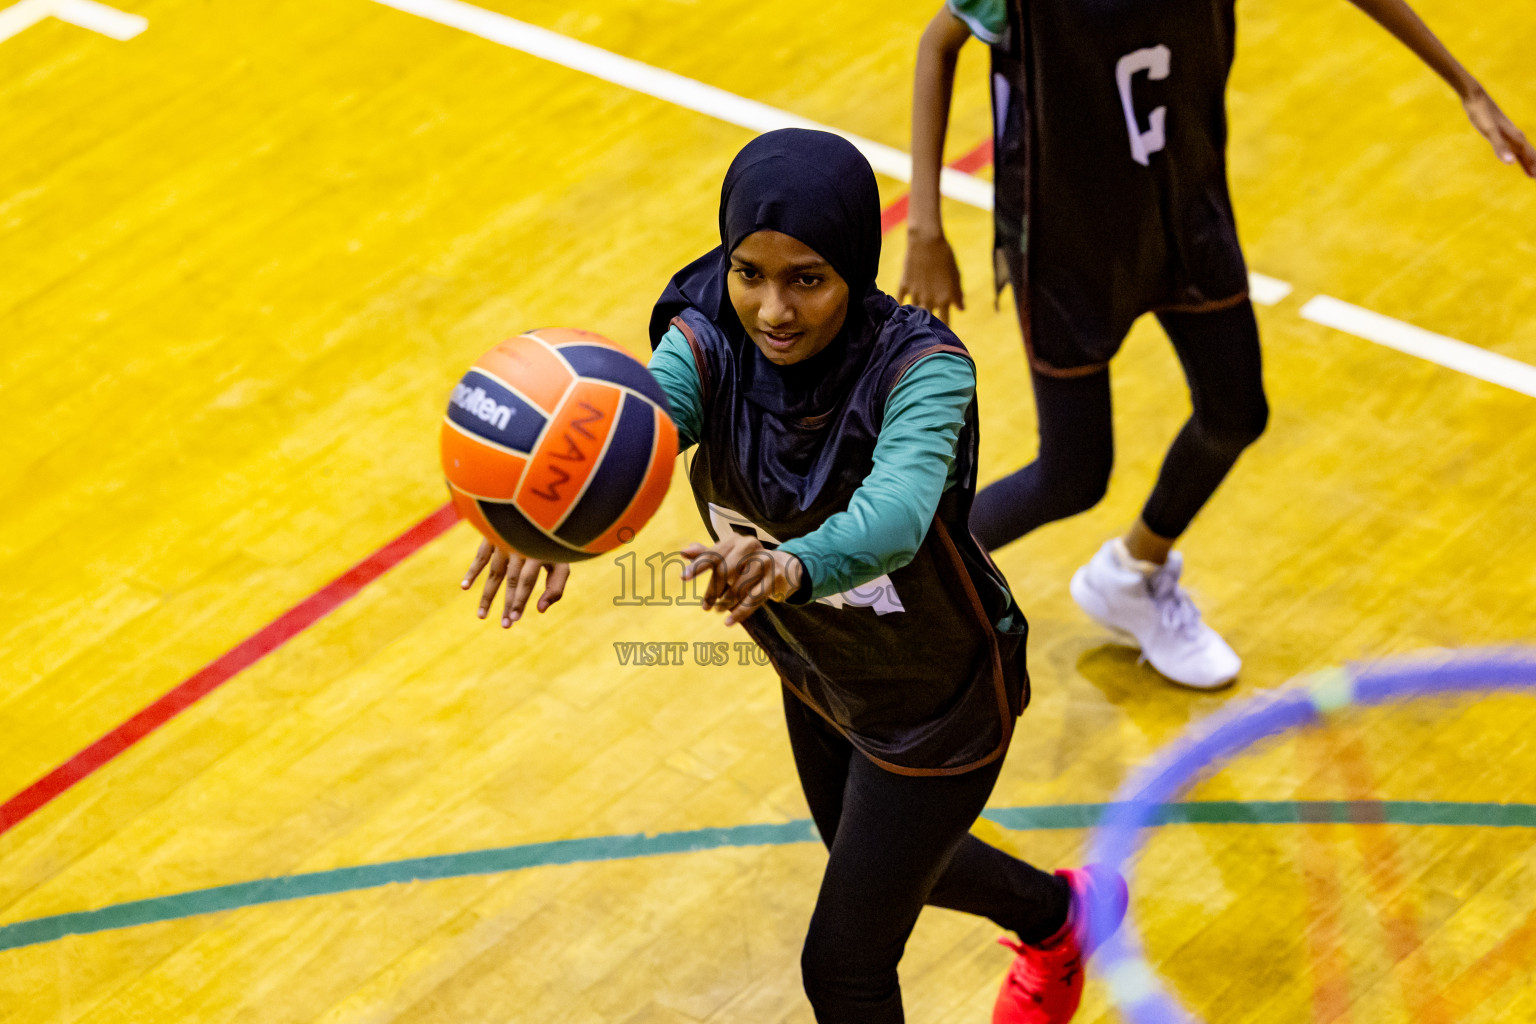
(933, 86)
(1508, 141)
(931, 277)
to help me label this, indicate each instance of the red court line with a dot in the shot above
(1394, 899)
(1324, 935)
(223, 668)
(292, 622)
(1506, 962)
(1322, 884)
(975, 160)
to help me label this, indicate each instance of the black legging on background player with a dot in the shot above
(1221, 358)
(896, 843)
(1111, 201)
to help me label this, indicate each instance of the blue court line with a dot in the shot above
(624, 847)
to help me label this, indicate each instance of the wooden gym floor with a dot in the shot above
(247, 252)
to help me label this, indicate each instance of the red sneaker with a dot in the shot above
(1045, 983)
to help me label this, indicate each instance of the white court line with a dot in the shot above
(674, 88)
(109, 21)
(1447, 352)
(707, 99)
(966, 188)
(19, 17)
(1266, 290)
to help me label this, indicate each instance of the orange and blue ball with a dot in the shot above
(558, 445)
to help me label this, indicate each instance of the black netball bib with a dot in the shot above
(1110, 137)
(911, 667)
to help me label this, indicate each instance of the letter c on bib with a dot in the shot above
(1154, 60)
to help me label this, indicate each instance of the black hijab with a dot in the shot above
(818, 189)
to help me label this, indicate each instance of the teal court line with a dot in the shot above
(624, 847)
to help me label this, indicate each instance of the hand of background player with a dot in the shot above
(931, 276)
(743, 574)
(1508, 141)
(521, 574)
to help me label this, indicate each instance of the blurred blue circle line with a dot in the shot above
(1133, 986)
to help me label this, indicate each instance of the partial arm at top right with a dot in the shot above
(1508, 142)
(930, 277)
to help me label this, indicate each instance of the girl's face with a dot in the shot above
(790, 300)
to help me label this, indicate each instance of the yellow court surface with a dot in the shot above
(246, 249)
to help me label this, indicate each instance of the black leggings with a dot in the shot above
(896, 842)
(1220, 355)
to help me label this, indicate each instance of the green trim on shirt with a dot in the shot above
(914, 462)
(987, 19)
(890, 512)
(673, 367)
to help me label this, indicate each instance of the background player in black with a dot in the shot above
(1111, 202)
(791, 371)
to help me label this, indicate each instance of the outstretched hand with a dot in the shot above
(1507, 141)
(930, 276)
(520, 574)
(743, 575)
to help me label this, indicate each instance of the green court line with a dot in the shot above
(1281, 812)
(600, 848)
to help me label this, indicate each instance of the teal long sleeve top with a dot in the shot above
(914, 464)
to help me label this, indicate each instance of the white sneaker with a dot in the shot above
(1144, 600)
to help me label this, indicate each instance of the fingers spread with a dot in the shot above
(719, 574)
(477, 564)
(554, 584)
(722, 561)
(752, 586)
(692, 553)
(703, 560)
(520, 583)
(498, 571)
(742, 575)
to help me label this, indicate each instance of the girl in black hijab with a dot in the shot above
(835, 465)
